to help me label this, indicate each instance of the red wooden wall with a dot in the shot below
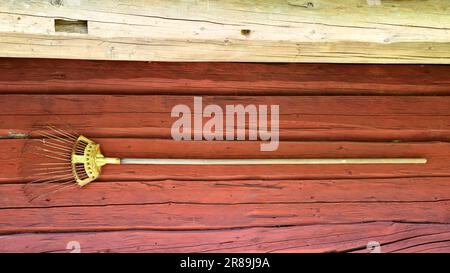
(327, 110)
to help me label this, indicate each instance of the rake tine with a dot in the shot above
(66, 125)
(49, 169)
(56, 138)
(70, 128)
(66, 134)
(61, 187)
(53, 152)
(64, 181)
(59, 184)
(50, 163)
(54, 172)
(51, 179)
(56, 146)
(49, 156)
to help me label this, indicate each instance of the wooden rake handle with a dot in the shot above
(268, 161)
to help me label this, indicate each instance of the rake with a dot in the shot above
(68, 158)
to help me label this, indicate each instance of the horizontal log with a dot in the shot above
(17, 166)
(111, 77)
(265, 31)
(393, 237)
(172, 216)
(388, 190)
(367, 118)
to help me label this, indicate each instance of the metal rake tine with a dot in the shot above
(57, 180)
(57, 146)
(63, 181)
(53, 152)
(59, 184)
(65, 124)
(62, 187)
(70, 128)
(43, 134)
(49, 156)
(50, 179)
(54, 172)
(66, 134)
(57, 138)
(39, 132)
(50, 163)
(50, 169)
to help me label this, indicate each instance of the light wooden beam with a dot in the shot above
(364, 31)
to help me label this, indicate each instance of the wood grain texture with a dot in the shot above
(393, 237)
(53, 76)
(170, 216)
(358, 118)
(406, 190)
(406, 208)
(261, 31)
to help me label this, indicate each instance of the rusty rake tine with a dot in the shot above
(41, 151)
(58, 186)
(44, 181)
(52, 168)
(71, 179)
(62, 186)
(51, 163)
(40, 133)
(66, 134)
(70, 128)
(65, 182)
(51, 179)
(57, 138)
(53, 172)
(56, 146)
(49, 156)
(45, 135)
(48, 138)
(53, 152)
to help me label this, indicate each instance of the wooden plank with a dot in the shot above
(265, 31)
(387, 190)
(172, 216)
(393, 237)
(112, 77)
(349, 118)
(16, 167)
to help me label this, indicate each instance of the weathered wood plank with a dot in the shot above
(16, 168)
(112, 77)
(393, 237)
(355, 118)
(172, 216)
(388, 190)
(265, 31)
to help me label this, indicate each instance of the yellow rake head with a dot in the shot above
(87, 160)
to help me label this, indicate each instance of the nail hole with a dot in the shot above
(245, 32)
(71, 26)
(57, 3)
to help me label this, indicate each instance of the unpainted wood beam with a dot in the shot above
(361, 31)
